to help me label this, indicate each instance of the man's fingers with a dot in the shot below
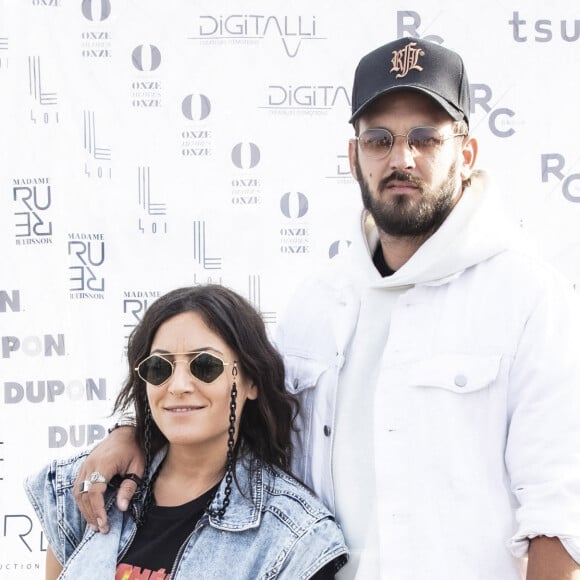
(127, 491)
(119, 453)
(91, 502)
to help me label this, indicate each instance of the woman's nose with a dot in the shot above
(182, 380)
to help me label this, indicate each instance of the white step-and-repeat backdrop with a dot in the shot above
(147, 145)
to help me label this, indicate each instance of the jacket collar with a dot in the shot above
(247, 497)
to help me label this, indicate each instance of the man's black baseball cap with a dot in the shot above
(412, 63)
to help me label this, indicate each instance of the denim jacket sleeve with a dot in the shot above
(50, 492)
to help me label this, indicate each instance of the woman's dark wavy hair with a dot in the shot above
(266, 422)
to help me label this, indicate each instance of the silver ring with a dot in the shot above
(97, 477)
(85, 486)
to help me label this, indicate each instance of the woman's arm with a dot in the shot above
(53, 566)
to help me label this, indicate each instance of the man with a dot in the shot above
(436, 360)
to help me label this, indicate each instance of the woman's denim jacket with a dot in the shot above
(273, 528)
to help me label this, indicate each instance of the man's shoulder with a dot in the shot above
(523, 266)
(327, 279)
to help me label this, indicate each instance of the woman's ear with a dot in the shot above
(252, 392)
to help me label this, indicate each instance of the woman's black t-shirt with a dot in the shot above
(156, 544)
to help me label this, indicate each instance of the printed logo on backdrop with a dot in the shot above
(86, 253)
(22, 538)
(49, 3)
(3, 53)
(209, 279)
(246, 184)
(44, 345)
(32, 197)
(135, 303)
(43, 98)
(293, 32)
(146, 90)
(340, 174)
(196, 141)
(544, 30)
(306, 99)
(97, 156)
(501, 120)
(96, 10)
(295, 231)
(553, 168)
(152, 212)
(201, 252)
(255, 298)
(338, 247)
(96, 44)
(55, 391)
(83, 435)
(10, 301)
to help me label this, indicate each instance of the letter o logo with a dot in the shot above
(294, 205)
(246, 155)
(96, 9)
(196, 107)
(338, 247)
(146, 57)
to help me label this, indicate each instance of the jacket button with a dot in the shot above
(327, 430)
(460, 380)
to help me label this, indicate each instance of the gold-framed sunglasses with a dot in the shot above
(157, 368)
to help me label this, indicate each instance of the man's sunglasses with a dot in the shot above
(156, 369)
(376, 143)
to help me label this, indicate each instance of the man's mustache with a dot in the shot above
(400, 176)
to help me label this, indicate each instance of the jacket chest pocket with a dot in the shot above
(447, 412)
(454, 372)
(302, 372)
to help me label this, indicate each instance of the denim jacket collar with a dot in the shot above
(247, 497)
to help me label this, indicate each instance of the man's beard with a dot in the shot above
(402, 216)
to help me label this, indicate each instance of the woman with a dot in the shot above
(214, 422)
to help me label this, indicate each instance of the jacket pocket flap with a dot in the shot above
(302, 373)
(460, 373)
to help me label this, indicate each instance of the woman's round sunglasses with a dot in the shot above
(156, 369)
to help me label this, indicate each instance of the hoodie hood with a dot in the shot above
(476, 229)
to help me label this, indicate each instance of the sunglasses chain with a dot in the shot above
(230, 455)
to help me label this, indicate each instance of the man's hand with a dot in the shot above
(118, 454)
(549, 560)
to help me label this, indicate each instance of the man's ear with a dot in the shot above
(468, 157)
(352, 156)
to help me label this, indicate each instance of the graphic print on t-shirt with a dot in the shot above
(129, 572)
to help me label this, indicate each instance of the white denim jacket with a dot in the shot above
(477, 414)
